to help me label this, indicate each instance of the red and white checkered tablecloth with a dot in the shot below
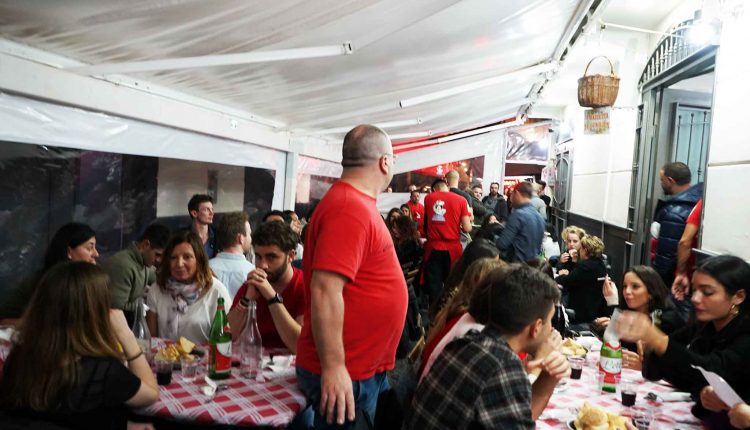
(668, 415)
(274, 402)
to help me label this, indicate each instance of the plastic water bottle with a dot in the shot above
(251, 347)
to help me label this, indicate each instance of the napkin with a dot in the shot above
(280, 363)
(558, 414)
(675, 396)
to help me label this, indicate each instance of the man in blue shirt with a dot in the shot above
(230, 266)
(521, 240)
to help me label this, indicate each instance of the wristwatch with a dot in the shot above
(275, 299)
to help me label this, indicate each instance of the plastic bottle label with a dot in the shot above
(223, 356)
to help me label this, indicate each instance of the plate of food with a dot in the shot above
(594, 418)
(181, 348)
(572, 349)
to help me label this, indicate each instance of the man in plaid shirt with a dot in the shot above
(478, 381)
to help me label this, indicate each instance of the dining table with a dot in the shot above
(571, 394)
(273, 401)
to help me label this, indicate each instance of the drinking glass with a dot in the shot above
(627, 389)
(163, 371)
(576, 367)
(642, 417)
(189, 366)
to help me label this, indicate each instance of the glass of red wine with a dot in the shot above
(163, 371)
(576, 367)
(628, 392)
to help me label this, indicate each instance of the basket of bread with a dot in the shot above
(572, 349)
(593, 418)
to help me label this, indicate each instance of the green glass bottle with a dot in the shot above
(220, 345)
(610, 363)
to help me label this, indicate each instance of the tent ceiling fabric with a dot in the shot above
(402, 49)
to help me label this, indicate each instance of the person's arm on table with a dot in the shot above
(327, 311)
(287, 327)
(148, 393)
(553, 367)
(237, 315)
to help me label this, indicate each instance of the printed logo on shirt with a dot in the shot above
(439, 209)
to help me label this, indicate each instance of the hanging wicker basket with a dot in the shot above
(598, 90)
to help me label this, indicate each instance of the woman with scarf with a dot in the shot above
(183, 301)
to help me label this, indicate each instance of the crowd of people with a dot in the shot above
(334, 293)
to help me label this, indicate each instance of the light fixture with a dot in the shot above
(383, 125)
(459, 135)
(410, 135)
(215, 60)
(533, 70)
(479, 131)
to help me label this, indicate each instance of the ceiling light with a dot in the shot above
(539, 68)
(215, 60)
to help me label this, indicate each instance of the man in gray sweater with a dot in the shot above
(134, 268)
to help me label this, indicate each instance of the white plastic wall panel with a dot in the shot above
(618, 194)
(726, 209)
(588, 195)
(729, 141)
(31, 121)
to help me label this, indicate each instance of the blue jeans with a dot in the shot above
(365, 393)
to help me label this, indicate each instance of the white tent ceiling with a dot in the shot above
(402, 49)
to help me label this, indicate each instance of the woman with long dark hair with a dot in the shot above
(644, 291)
(718, 341)
(72, 242)
(66, 366)
(406, 240)
(183, 300)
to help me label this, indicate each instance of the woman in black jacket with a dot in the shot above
(584, 283)
(644, 291)
(719, 340)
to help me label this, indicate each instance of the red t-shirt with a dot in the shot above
(444, 211)
(347, 235)
(293, 298)
(417, 214)
(694, 219)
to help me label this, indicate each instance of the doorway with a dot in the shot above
(674, 125)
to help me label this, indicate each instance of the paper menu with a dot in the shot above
(721, 387)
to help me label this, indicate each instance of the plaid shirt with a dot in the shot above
(477, 382)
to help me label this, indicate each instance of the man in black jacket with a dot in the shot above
(671, 215)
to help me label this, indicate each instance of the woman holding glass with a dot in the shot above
(719, 340)
(183, 300)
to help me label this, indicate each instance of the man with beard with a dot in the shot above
(276, 286)
(496, 203)
(671, 215)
